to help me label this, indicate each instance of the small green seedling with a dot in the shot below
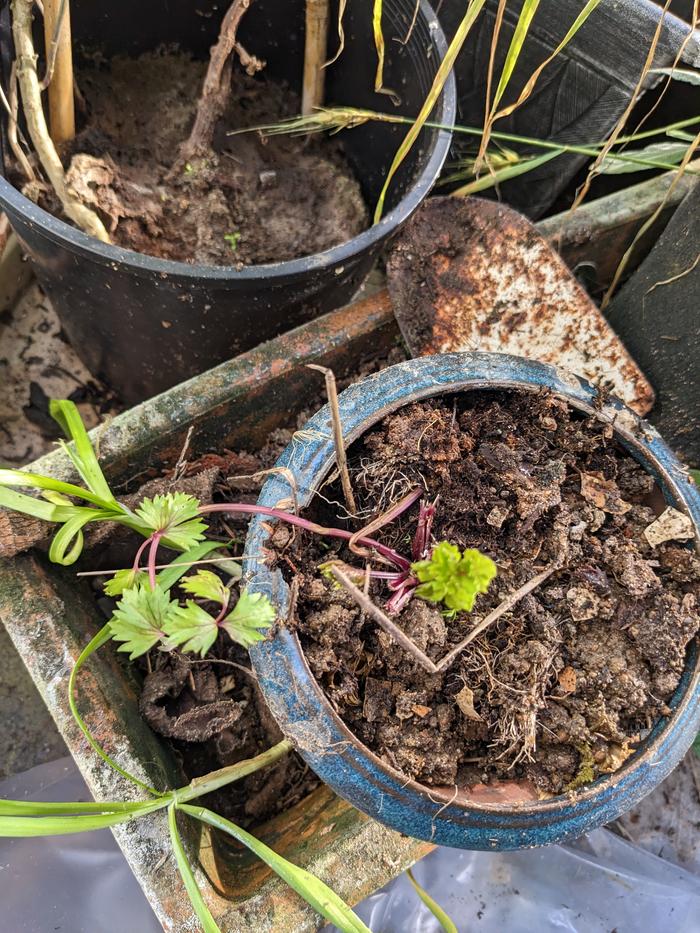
(233, 240)
(454, 578)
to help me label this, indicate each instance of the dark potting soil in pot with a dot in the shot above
(562, 688)
(250, 201)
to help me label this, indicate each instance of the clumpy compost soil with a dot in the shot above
(562, 688)
(254, 200)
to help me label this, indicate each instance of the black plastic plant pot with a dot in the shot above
(144, 324)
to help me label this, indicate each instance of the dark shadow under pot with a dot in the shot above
(144, 323)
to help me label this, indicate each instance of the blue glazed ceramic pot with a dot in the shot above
(502, 816)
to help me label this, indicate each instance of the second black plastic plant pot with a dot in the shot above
(144, 324)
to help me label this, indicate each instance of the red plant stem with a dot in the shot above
(241, 508)
(152, 553)
(385, 518)
(137, 560)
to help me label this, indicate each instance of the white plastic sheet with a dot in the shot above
(82, 884)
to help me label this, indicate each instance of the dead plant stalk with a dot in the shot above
(401, 638)
(59, 70)
(30, 88)
(332, 393)
(217, 84)
(317, 16)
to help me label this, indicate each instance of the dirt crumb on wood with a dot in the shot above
(564, 687)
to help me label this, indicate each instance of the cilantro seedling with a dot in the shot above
(233, 240)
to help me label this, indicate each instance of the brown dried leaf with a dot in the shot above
(465, 700)
(603, 493)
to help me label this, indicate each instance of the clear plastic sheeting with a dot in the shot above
(599, 884)
(72, 884)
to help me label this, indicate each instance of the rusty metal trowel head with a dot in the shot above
(470, 274)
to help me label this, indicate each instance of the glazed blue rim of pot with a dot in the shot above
(79, 242)
(306, 716)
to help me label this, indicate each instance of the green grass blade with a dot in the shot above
(200, 786)
(489, 179)
(36, 481)
(628, 161)
(82, 453)
(26, 826)
(70, 808)
(441, 76)
(534, 77)
(28, 505)
(203, 913)
(67, 543)
(516, 45)
(448, 925)
(314, 891)
(102, 637)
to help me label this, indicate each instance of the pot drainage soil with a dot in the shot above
(562, 688)
(250, 201)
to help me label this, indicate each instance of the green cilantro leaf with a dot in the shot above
(207, 585)
(124, 580)
(454, 578)
(175, 515)
(141, 619)
(192, 629)
(252, 612)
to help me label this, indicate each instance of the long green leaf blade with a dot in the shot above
(26, 826)
(28, 505)
(489, 179)
(445, 921)
(70, 808)
(629, 159)
(516, 45)
(169, 577)
(441, 76)
(36, 481)
(314, 891)
(195, 895)
(82, 454)
(102, 637)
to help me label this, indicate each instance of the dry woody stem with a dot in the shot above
(314, 55)
(332, 392)
(217, 83)
(28, 79)
(401, 638)
(59, 70)
(382, 619)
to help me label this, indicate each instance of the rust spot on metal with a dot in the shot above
(475, 275)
